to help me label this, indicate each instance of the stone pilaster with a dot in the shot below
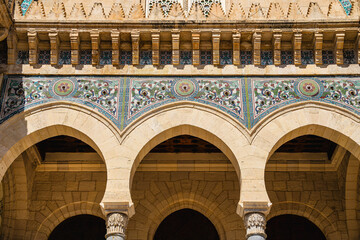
(135, 39)
(236, 47)
(54, 47)
(256, 44)
(12, 41)
(116, 225)
(297, 39)
(196, 47)
(175, 47)
(339, 47)
(216, 46)
(277, 47)
(115, 43)
(75, 44)
(95, 44)
(255, 224)
(155, 40)
(33, 46)
(318, 47)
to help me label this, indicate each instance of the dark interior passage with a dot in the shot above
(292, 227)
(186, 224)
(81, 227)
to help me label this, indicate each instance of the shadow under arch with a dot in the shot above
(308, 212)
(186, 130)
(49, 120)
(64, 212)
(329, 122)
(212, 215)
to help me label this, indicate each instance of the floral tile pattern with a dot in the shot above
(65, 57)
(328, 57)
(349, 56)
(205, 57)
(124, 99)
(185, 57)
(267, 58)
(23, 57)
(44, 57)
(307, 57)
(125, 57)
(105, 57)
(226, 57)
(145, 57)
(246, 57)
(287, 57)
(85, 57)
(165, 57)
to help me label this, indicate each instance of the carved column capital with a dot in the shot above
(116, 225)
(255, 225)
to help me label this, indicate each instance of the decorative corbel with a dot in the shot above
(358, 47)
(236, 47)
(256, 44)
(216, 46)
(155, 39)
(115, 43)
(175, 47)
(33, 46)
(95, 44)
(135, 38)
(297, 39)
(318, 47)
(339, 47)
(54, 47)
(277, 47)
(195, 36)
(12, 41)
(75, 45)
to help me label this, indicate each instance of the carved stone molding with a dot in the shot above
(339, 47)
(135, 38)
(116, 225)
(318, 47)
(176, 47)
(297, 38)
(216, 46)
(95, 42)
(236, 47)
(255, 225)
(196, 47)
(115, 43)
(257, 48)
(155, 38)
(54, 46)
(75, 44)
(33, 46)
(277, 47)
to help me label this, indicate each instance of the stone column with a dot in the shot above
(116, 225)
(255, 224)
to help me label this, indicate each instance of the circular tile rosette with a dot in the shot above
(309, 88)
(63, 88)
(184, 88)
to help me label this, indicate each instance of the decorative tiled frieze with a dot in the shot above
(124, 99)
